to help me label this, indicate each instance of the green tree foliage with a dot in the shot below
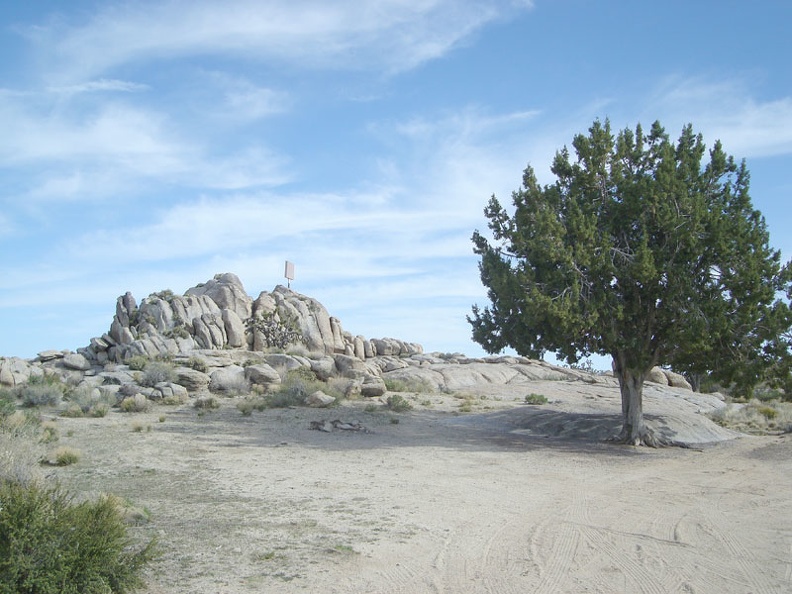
(639, 250)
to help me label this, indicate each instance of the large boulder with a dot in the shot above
(262, 375)
(228, 380)
(15, 371)
(192, 380)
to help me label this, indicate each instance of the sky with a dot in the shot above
(151, 145)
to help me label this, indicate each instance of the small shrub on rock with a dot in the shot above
(138, 363)
(157, 372)
(535, 399)
(197, 363)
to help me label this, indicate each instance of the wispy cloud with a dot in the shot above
(394, 34)
(100, 86)
(726, 110)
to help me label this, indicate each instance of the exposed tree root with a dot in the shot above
(645, 437)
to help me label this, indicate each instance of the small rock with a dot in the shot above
(319, 400)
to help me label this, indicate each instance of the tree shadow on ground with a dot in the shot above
(523, 428)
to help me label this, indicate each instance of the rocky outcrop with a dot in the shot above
(666, 377)
(219, 314)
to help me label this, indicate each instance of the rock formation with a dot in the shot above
(219, 339)
(219, 314)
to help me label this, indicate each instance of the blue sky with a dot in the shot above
(150, 145)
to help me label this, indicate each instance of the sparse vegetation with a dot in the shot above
(137, 363)
(40, 390)
(206, 403)
(418, 385)
(135, 404)
(157, 372)
(49, 432)
(85, 401)
(7, 405)
(398, 403)
(277, 330)
(297, 384)
(197, 363)
(467, 404)
(755, 417)
(65, 456)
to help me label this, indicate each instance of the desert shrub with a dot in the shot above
(138, 362)
(755, 417)
(85, 401)
(197, 363)
(42, 390)
(100, 409)
(136, 403)
(768, 412)
(234, 386)
(51, 545)
(21, 423)
(413, 384)
(206, 403)
(156, 372)
(536, 399)
(248, 405)
(398, 403)
(467, 404)
(277, 330)
(7, 404)
(49, 432)
(65, 456)
(296, 385)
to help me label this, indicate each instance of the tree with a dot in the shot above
(640, 251)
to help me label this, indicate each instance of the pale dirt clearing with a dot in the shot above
(509, 498)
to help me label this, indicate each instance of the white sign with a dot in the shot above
(289, 272)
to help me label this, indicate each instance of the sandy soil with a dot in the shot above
(505, 498)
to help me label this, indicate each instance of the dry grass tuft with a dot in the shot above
(755, 417)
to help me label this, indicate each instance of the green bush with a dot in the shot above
(278, 330)
(41, 390)
(51, 545)
(85, 401)
(65, 456)
(136, 403)
(156, 372)
(398, 403)
(138, 363)
(198, 364)
(7, 404)
(536, 399)
(206, 403)
(296, 386)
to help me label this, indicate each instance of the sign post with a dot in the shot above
(289, 273)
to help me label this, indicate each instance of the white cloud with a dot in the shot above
(726, 110)
(101, 85)
(390, 34)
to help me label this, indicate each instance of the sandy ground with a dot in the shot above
(505, 498)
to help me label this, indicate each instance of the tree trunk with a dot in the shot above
(634, 430)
